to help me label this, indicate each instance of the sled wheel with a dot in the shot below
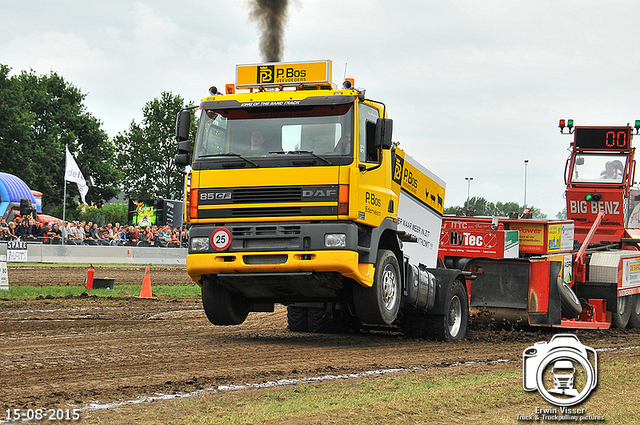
(571, 307)
(620, 317)
(634, 319)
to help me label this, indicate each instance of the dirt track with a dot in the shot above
(81, 350)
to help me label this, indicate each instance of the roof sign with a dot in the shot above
(276, 74)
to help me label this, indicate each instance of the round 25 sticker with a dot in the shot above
(221, 239)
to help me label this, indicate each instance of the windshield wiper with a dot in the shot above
(237, 155)
(303, 152)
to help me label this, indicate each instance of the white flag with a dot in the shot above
(73, 174)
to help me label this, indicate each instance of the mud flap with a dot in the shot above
(516, 289)
(544, 300)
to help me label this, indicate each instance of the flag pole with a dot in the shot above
(64, 196)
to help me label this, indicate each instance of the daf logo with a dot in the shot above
(319, 193)
(217, 196)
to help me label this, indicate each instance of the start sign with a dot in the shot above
(276, 74)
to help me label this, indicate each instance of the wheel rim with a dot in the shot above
(637, 303)
(455, 316)
(389, 294)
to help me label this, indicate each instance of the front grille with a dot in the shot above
(260, 195)
(266, 212)
(267, 243)
(265, 259)
(238, 231)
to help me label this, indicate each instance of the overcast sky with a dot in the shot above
(474, 88)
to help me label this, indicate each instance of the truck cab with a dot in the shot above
(295, 196)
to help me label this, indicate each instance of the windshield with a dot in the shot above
(599, 168)
(256, 133)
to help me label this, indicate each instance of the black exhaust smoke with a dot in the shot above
(271, 16)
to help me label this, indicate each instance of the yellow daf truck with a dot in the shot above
(296, 196)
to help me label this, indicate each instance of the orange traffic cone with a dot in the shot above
(146, 285)
(90, 273)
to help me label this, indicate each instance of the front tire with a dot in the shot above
(379, 305)
(221, 306)
(451, 326)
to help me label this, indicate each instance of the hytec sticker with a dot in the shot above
(221, 239)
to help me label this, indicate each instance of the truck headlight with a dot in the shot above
(335, 240)
(199, 244)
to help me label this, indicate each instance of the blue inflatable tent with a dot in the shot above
(12, 189)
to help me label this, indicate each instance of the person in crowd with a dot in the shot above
(45, 228)
(132, 236)
(97, 235)
(115, 239)
(122, 236)
(94, 230)
(156, 239)
(21, 230)
(142, 238)
(185, 237)
(104, 236)
(35, 233)
(167, 236)
(54, 234)
(72, 233)
(80, 232)
(115, 229)
(175, 237)
(8, 233)
(88, 235)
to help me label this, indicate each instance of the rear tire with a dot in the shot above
(571, 307)
(379, 305)
(221, 306)
(621, 316)
(634, 319)
(453, 325)
(318, 320)
(297, 319)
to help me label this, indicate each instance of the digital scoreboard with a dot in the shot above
(602, 138)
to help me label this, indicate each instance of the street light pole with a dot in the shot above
(468, 179)
(526, 163)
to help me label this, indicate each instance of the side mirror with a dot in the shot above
(183, 122)
(184, 146)
(181, 160)
(384, 129)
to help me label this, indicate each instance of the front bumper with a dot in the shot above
(280, 262)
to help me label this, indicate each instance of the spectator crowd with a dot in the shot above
(83, 233)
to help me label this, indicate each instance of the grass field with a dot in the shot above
(420, 396)
(119, 291)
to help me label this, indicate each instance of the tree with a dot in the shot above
(39, 116)
(483, 207)
(146, 151)
(562, 214)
